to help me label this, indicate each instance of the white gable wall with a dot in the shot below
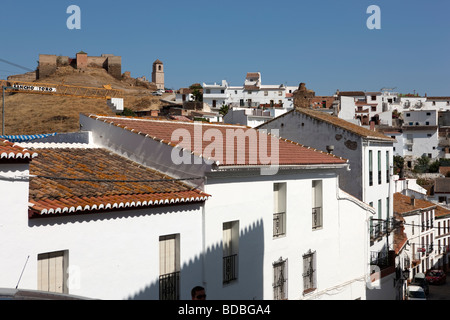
(341, 245)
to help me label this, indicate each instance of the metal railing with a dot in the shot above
(279, 224)
(317, 218)
(169, 286)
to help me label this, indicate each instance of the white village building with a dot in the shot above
(426, 228)
(370, 156)
(232, 225)
(252, 103)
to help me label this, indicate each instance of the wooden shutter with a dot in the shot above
(168, 254)
(52, 272)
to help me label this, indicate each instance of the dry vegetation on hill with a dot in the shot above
(38, 113)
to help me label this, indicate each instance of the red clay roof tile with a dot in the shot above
(289, 152)
(72, 180)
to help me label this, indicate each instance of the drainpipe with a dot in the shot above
(203, 255)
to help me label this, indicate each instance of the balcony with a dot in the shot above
(279, 224)
(169, 286)
(381, 228)
(316, 218)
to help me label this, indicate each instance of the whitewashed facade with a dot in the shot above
(370, 156)
(252, 95)
(244, 219)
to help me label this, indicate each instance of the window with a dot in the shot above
(379, 167)
(317, 205)
(280, 279)
(380, 211)
(169, 267)
(280, 93)
(387, 210)
(266, 93)
(309, 272)
(370, 168)
(279, 209)
(387, 167)
(408, 114)
(230, 251)
(52, 272)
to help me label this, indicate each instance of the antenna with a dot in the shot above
(22, 272)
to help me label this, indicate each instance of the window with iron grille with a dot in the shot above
(309, 272)
(280, 280)
(279, 209)
(379, 167)
(230, 251)
(370, 168)
(387, 167)
(169, 267)
(317, 204)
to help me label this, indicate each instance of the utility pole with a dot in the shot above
(3, 109)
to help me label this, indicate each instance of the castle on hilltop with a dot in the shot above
(48, 64)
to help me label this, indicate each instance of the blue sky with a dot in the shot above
(324, 43)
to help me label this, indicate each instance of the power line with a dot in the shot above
(114, 180)
(16, 65)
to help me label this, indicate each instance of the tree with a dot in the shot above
(196, 92)
(399, 164)
(224, 109)
(423, 164)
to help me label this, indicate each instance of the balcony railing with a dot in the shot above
(381, 228)
(317, 218)
(279, 224)
(379, 258)
(229, 268)
(169, 286)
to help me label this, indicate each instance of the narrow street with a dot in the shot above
(440, 292)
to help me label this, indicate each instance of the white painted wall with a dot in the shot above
(111, 256)
(340, 245)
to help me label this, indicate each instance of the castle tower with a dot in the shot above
(82, 60)
(158, 74)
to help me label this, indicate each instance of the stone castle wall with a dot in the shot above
(111, 63)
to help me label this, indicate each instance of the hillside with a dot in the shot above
(38, 113)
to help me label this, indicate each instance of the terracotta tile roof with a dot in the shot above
(253, 75)
(290, 153)
(338, 122)
(351, 93)
(402, 204)
(9, 150)
(98, 180)
(442, 185)
(400, 237)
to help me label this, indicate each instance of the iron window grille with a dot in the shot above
(309, 272)
(229, 268)
(169, 286)
(280, 280)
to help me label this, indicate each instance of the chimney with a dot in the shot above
(372, 125)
